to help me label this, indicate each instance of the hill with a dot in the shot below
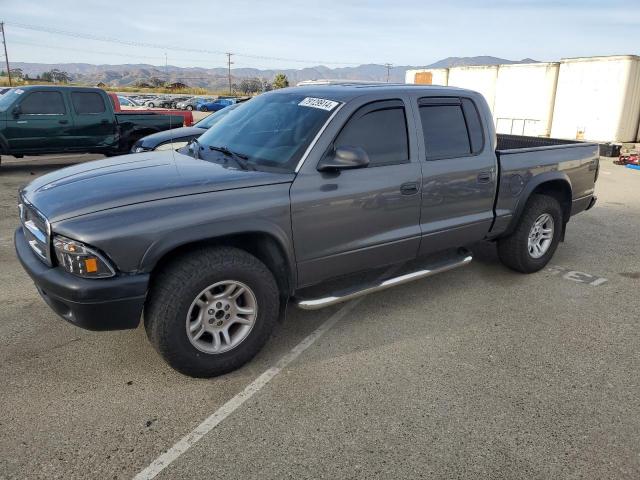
(216, 78)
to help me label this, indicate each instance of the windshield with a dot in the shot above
(8, 98)
(271, 130)
(214, 118)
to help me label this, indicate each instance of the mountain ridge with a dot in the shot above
(128, 74)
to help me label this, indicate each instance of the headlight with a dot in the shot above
(78, 259)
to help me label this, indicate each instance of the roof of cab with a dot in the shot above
(347, 91)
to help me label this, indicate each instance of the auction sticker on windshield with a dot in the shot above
(318, 103)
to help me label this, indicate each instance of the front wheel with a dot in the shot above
(534, 241)
(211, 311)
(204, 109)
(189, 107)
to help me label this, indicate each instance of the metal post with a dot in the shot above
(6, 56)
(229, 62)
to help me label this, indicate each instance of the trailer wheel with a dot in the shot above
(210, 311)
(534, 241)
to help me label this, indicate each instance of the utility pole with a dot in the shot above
(388, 65)
(229, 62)
(6, 57)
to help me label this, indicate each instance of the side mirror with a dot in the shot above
(16, 111)
(345, 158)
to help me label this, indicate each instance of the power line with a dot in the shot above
(87, 36)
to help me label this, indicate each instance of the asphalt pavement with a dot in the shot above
(478, 373)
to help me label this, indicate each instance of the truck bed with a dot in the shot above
(525, 161)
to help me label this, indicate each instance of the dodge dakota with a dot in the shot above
(296, 196)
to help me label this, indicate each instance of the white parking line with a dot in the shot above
(186, 442)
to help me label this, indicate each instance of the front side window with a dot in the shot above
(85, 103)
(43, 103)
(380, 129)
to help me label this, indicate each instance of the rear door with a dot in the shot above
(42, 124)
(353, 220)
(459, 173)
(94, 123)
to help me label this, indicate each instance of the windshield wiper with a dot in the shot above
(239, 158)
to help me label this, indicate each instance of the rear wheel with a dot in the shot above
(189, 107)
(204, 109)
(211, 311)
(534, 241)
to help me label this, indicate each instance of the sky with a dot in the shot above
(297, 34)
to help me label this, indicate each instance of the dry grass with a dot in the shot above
(4, 82)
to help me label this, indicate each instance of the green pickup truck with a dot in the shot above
(36, 120)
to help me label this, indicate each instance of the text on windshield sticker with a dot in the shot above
(318, 103)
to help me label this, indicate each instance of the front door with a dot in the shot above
(350, 220)
(459, 174)
(41, 124)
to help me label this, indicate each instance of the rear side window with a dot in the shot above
(451, 128)
(445, 131)
(87, 103)
(43, 103)
(379, 128)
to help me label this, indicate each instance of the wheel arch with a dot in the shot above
(265, 246)
(553, 184)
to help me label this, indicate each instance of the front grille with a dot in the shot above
(36, 231)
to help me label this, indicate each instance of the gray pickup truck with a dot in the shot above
(298, 195)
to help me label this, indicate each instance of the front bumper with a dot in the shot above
(95, 304)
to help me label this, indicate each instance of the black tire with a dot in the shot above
(189, 107)
(514, 250)
(177, 285)
(151, 104)
(204, 109)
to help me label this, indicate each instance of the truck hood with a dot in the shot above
(128, 179)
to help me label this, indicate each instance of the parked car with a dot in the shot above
(179, 137)
(52, 119)
(157, 102)
(192, 103)
(216, 105)
(289, 191)
(127, 102)
(176, 100)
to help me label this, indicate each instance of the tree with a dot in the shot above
(280, 81)
(16, 73)
(56, 76)
(156, 82)
(250, 85)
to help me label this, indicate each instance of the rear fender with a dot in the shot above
(556, 184)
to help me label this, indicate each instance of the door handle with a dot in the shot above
(104, 121)
(63, 122)
(409, 188)
(484, 177)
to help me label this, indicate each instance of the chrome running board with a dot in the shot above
(462, 257)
